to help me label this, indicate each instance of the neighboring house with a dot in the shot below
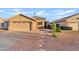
(70, 21)
(3, 24)
(24, 23)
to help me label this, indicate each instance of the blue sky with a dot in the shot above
(49, 13)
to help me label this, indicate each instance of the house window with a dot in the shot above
(2, 24)
(40, 23)
(77, 18)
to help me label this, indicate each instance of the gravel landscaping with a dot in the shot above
(66, 41)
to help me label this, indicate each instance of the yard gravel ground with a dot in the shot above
(20, 41)
(66, 41)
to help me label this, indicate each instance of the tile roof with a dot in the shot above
(62, 19)
(23, 16)
(39, 18)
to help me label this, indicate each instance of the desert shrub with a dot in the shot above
(66, 28)
(58, 29)
(54, 27)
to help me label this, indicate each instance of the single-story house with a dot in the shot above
(70, 21)
(3, 24)
(24, 23)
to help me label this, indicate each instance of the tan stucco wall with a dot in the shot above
(40, 26)
(74, 25)
(73, 22)
(34, 26)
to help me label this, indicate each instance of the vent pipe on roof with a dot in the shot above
(34, 13)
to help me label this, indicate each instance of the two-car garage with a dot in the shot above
(20, 23)
(20, 26)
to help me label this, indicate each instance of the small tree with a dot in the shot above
(54, 29)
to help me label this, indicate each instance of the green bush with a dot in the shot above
(58, 29)
(54, 29)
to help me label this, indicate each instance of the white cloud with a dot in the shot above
(31, 12)
(69, 11)
(40, 13)
(20, 11)
(56, 11)
(62, 12)
(17, 11)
